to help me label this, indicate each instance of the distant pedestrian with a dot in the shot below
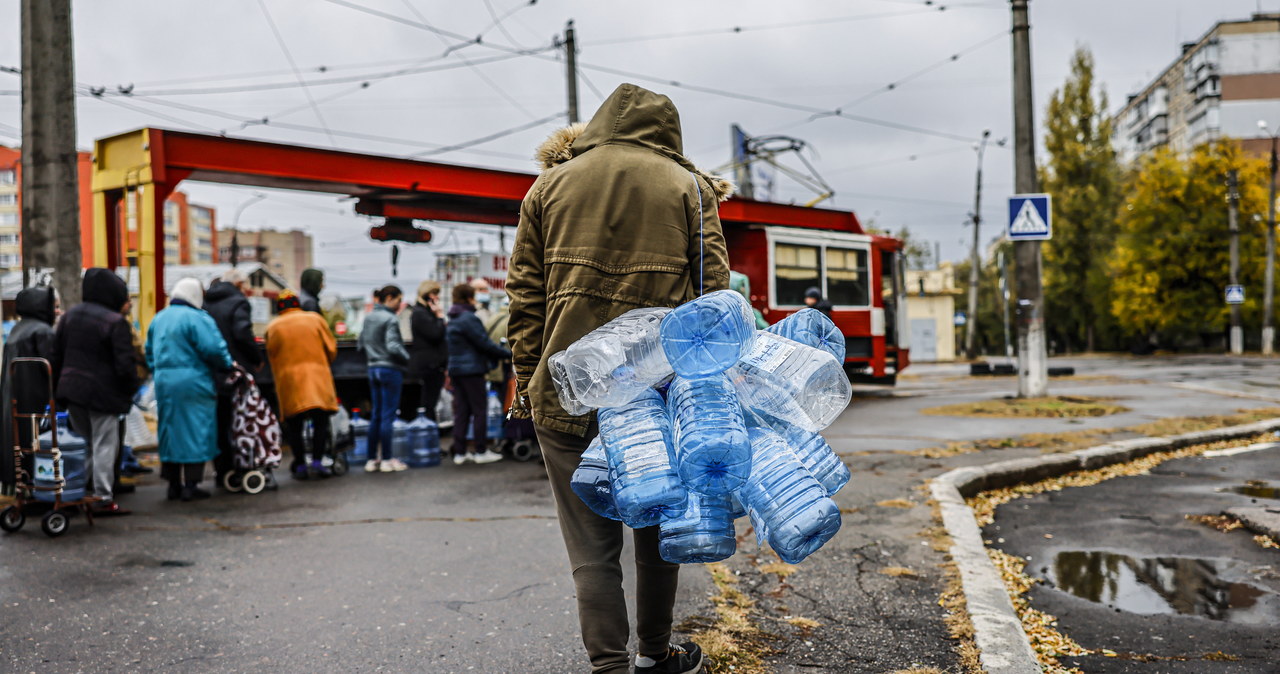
(739, 283)
(32, 337)
(186, 352)
(428, 353)
(97, 375)
(301, 350)
(226, 303)
(471, 355)
(483, 298)
(387, 360)
(312, 283)
(813, 299)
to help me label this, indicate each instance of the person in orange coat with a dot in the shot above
(300, 349)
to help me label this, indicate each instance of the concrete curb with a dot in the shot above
(998, 631)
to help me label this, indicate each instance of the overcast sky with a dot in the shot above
(810, 53)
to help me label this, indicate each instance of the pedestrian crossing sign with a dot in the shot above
(1235, 294)
(1030, 217)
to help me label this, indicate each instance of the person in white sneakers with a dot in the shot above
(471, 355)
(384, 351)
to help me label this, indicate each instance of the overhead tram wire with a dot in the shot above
(591, 85)
(733, 30)
(497, 20)
(893, 86)
(493, 136)
(284, 47)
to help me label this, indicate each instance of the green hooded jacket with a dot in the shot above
(614, 222)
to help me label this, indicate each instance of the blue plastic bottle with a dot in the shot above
(818, 458)
(637, 443)
(360, 439)
(591, 481)
(812, 328)
(72, 462)
(796, 512)
(704, 533)
(790, 381)
(495, 416)
(708, 335)
(736, 509)
(400, 447)
(713, 453)
(424, 441)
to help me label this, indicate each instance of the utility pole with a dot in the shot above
(1233, 225)
(1269, 290)
(50, 188)
(975, 258)
(571, 70)
(1033, 365)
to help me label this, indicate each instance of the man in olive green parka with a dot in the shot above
(618, 219)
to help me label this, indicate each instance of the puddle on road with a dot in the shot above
(1255, 489)
(1164, 585)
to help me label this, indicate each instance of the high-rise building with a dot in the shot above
(1221, 86)
(286, 254)
(190, 231)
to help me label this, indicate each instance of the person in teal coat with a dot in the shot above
(185, 351)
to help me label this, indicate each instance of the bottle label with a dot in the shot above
(768, 354)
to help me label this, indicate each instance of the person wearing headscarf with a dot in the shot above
(96, 372)
(312, 283)
(301, 350)
(428, 354)
(32, 337)
(186, 351)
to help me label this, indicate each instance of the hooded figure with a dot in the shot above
(32, 337)
(813, 299)
(312, 283)
(226, 303)
(97, 373)
(618, 219)
(185, 350)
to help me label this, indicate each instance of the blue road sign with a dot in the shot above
(1030, 217)
(1235, 294)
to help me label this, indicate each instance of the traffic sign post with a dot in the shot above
(1030, 218)
(1235, 294)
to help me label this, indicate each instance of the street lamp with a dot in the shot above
(1268, 327)
(975, 261)
(235, 226)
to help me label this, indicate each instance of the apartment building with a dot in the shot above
(1220, 86)
(285, 254)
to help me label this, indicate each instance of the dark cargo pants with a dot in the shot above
(595, 547)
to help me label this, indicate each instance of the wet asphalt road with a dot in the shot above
(462, 569)
(1126, 571)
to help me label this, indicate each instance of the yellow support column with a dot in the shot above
(150, 217)
(100, 224)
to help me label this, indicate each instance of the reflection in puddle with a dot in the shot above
(1180, 585)
(1256, 489)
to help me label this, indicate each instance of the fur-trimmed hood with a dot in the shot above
(631, 115)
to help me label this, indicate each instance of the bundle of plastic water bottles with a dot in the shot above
(703, 419)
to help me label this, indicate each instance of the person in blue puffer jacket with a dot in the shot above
(186, 351)
(471, 355)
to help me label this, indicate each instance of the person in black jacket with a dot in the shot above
(225, 301)
(312, 282)
(97, 374)
(428, 354)
(32, 337)
(813, 299)
(471, 355)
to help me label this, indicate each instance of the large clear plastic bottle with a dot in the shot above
(818, 458)
(495, 416)
(613, 364)
(360, 439)
(704, 533)
(637, 442)
(400, 446)
(424, 441)
(713, 453)
(795, 510)
(812, 328)
(591, 481)
(791, 382)
(73, 452)
(708, 335)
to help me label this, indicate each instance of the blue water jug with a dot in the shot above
(359, 451)
(637, 443)
(795, 510)
(495, 415)
(704, 533)
(708, 335)
(400, 448)
(812, 328)
(713, 454)
(72, 463)
(591, 481)
(424, 441)
(818, 458)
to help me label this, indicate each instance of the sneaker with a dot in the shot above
(685, 658)
(487, 456)
(394, 466)
(318, 469)
(111, 509)
(371, 466)
(459, 459)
